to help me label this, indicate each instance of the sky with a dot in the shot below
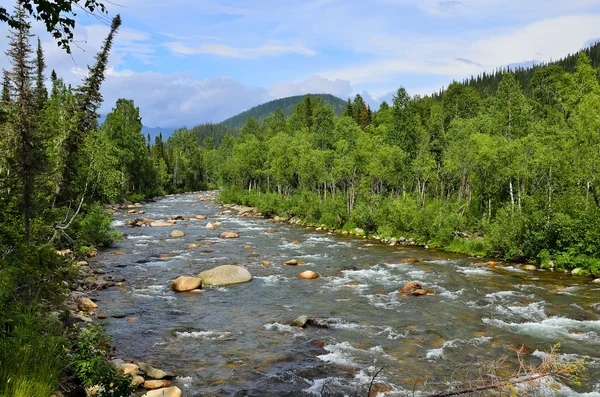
(186, 62)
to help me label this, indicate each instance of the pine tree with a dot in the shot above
(41, 94)
(88, 95)
(20, 53)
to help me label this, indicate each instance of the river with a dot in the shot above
(236, 339)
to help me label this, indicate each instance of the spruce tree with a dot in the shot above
(41, 94)
(20, 53)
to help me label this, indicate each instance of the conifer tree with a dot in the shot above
(5, 88)
(41, 94)
(20, 53)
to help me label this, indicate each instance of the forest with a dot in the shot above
(504, 173)
(506, 165)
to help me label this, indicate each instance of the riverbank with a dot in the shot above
(463, 243)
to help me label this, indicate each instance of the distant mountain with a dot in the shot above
(259, 112)
(155, 131)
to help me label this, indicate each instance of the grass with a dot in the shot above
(32, 358)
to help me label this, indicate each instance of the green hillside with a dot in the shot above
(259, 112)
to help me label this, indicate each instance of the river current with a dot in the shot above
(237, 340)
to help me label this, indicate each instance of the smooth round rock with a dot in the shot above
(177, 234)
(183, 283)
(308, 275)
(161, 224)
(291, 262)
(229, 235)
(172, 391)
(225, 275)
(300, 321)
(200, 217)
(529, 267)
(156, 384)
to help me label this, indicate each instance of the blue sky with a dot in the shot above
(186, 62)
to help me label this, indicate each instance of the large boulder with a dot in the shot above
(177, 234)
(529, 267)
(410, 287)
(128, 369)
(596, 281)
(172, 391)
(229, 235)
(225, 275)
(154, 372)
(183, 283)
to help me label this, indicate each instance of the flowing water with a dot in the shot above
(236, 339)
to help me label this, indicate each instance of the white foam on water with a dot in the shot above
(534, 310)
(141, 245)
(138, 237)
(555, 328)
(452, 294)
(153, 292)
(419, 274)
(387, 301)
(501, 295)
(271, 280)
(514, 269)
(117, 223)
(474, 271)
(185, 381)
(344, 354)
(434, 354)
(207, 335)
(440, 261)
(295, 331)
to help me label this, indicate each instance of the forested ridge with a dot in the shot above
(287, 105)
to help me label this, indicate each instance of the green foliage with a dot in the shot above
(91, 365)
(93, 228)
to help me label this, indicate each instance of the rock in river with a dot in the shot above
(156, 384)
(529, 267)
(173, 391)
(225, 275)
(229, 235)
(200, 217)
(300, 321)
(177, 234)
(291, 262)
(86, 305)
(410, 287)
(182, 283)
(308, 275)
(161, 224)
(153, 372)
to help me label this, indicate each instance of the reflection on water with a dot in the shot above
(237, 338)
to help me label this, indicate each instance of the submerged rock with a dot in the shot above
(177, 234)
(308, 275)
(229, 235)
(411, 260)
(317, 322)
(225, 275)
(183, 283)
(410, 287)
(267, 263)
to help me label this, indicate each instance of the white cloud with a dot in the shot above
(179, 48)
(312, 85)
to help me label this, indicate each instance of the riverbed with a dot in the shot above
(237, 339)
